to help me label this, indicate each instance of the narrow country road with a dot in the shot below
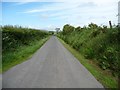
(52, 66)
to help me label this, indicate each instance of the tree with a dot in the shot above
(68, 29)
(93, 26)
(78, 28)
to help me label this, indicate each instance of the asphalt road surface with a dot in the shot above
(52, 66)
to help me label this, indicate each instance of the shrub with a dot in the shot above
(96, 42)
(16, 36)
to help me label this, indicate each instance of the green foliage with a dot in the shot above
(51, 32)
(21, 54)
(16, 36)
(107, 80)
(93, 26)
(78, 29)
(68, 29)
(96, 42)
(19, 43)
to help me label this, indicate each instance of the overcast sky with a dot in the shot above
(49, 14)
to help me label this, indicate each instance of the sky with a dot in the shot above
(50, 14)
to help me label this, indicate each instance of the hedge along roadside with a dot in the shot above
(19, 44)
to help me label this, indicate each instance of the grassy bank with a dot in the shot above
(104, 77)
(21, 54)
(18, 44)
(95, 43)
(99, 45)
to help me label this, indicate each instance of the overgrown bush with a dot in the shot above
(95, 42)
(16, 36)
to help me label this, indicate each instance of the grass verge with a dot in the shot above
(20, 55)
(107, 80)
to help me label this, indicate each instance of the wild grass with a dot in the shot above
(97, 44)
(105, 78)
(21, 54)
(18, 44)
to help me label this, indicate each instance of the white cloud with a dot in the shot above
(53, 7)
(76, 12)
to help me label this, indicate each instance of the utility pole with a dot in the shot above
(110, 24)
